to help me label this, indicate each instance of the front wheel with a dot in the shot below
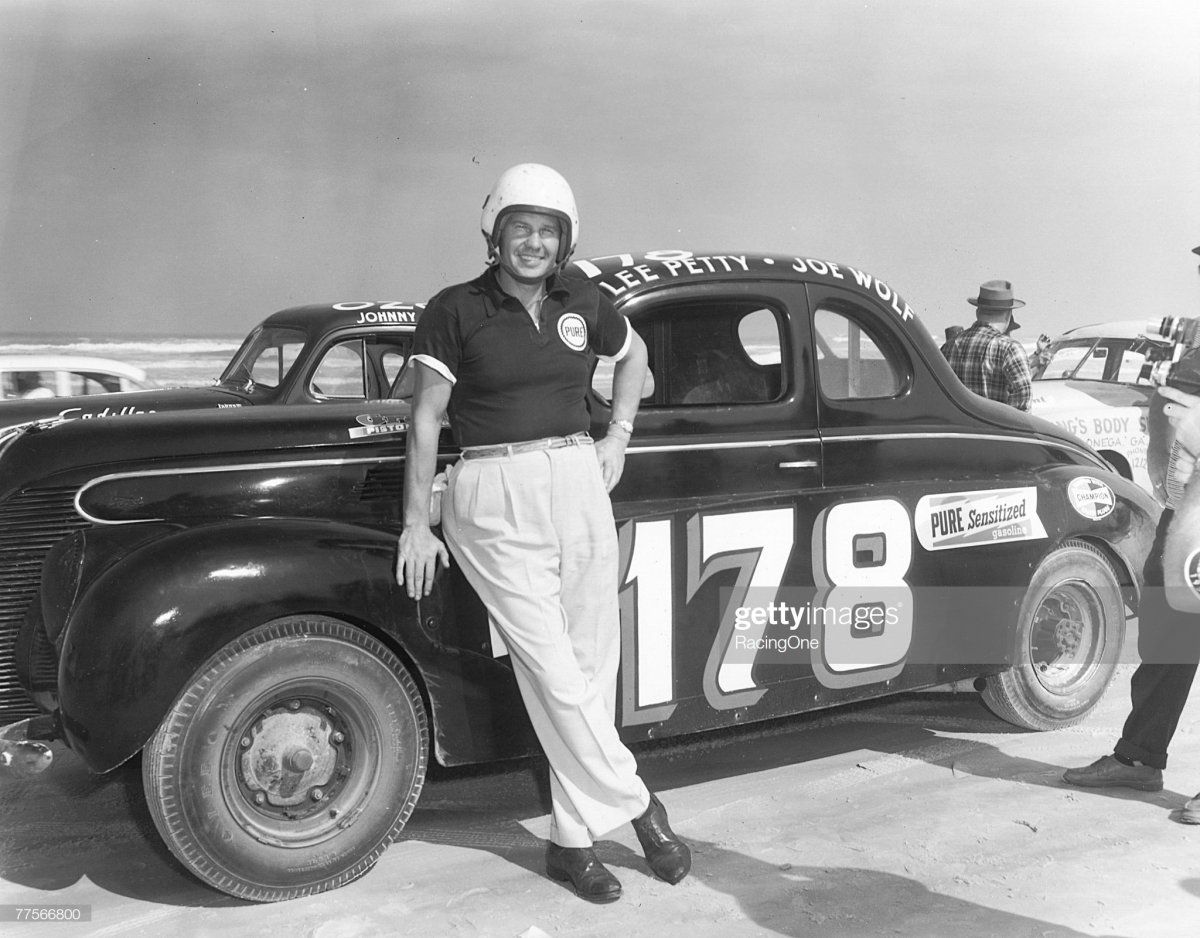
(291, 762)
(1069, 635)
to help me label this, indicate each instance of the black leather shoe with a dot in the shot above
(1107, 772)
(579, 866)
(668, 856)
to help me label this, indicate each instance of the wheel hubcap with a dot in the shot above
(287, 756)
(1065, 636)
(299, 769)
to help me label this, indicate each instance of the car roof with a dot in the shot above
(322, 317)
(1117, 329)
(54, 362)
(627, 274)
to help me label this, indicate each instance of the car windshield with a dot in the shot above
(265, 357)
(1123, 360)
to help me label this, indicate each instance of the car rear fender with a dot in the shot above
(140, 629)
(1123, 531)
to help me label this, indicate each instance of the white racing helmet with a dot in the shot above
(531, 187)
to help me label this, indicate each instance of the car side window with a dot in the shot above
(711, 352)
(341, 373)
(852, 363)
(90, 382)
(272, 362)
(29, 384)
(602, 376)
(393, 362)
(723, 355)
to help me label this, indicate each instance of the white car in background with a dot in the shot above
(33, 376)
(1097, 384)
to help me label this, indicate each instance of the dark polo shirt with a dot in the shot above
(512, 380)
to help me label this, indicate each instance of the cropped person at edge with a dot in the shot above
(526, 512)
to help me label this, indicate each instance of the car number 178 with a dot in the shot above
(854, 629)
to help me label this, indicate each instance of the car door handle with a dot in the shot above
(799, 464)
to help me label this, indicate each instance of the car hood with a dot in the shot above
(122, 404)
(65, 452)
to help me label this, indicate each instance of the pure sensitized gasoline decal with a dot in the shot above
(972, 519)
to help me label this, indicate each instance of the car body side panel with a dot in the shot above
(810, 485)
(704, 563)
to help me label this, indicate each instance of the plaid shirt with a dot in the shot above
(993, 365)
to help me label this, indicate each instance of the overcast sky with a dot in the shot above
(189, 167)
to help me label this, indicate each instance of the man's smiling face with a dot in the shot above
(529, 243)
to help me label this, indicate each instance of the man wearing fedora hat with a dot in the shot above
(986, 358)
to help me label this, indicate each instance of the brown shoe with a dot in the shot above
(1190, 812)
(667, 855)
(1107, 772)
(580, 867)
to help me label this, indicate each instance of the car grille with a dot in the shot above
(30, 524)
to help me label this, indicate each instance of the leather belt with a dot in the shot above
(526, 446)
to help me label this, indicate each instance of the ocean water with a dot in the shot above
(169, 361)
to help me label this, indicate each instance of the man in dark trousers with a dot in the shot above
(985, 357)
(1168, 632)
(526, 511)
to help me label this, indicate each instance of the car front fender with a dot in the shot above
(144, 626)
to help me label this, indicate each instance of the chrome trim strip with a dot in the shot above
(634, 448)
(197, 470)
(993, 437)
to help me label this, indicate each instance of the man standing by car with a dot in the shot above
(1169, 631)
(1169, 646)
(526, 511)
(985, 357)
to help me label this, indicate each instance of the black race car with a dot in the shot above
(814, 510)
(348, 351)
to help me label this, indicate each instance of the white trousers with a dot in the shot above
(534, 535)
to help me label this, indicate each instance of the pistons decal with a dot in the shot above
(378, 425)
(973, 519)
(573, 332)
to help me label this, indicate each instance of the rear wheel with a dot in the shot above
(291, 762)
(1070, 631)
